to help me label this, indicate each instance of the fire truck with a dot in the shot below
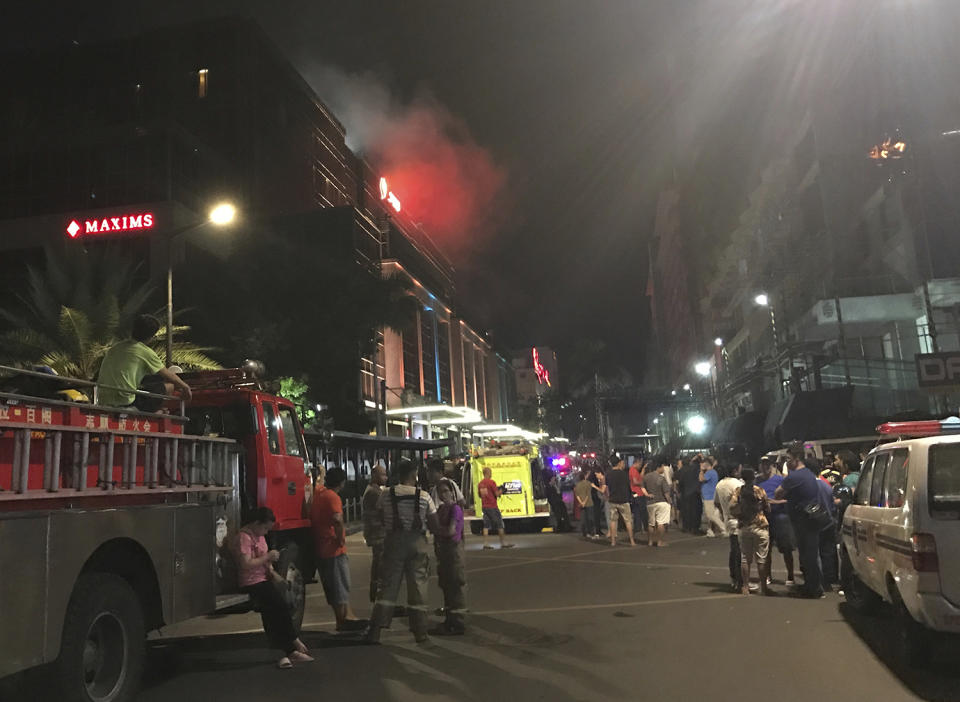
(115, 522)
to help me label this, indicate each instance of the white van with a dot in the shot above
(901, 534)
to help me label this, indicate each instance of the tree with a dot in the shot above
(76, 308)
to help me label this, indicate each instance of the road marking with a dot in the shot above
(640, 603)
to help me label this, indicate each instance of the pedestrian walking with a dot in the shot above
(708, 488)
(781, 529)
(373, 533)
(583, 494)
(406, 511)
(329, 538)
(748, 505)
(721, 500)
(258, 579)
(688, 490)
(617, 486)
(490, 492)
(638, 501)
(657, 490)
(450, 561)
(802, 495)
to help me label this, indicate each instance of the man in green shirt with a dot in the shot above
(132, 365)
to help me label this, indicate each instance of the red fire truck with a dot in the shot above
(112, 522)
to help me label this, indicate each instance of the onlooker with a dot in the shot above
(450, 560)
(599, 511)
(828, 540)
(436, 475)
(406, 512)
(749, 506)
(657, 490)
(492, 518)
(849, 468)
(721, 500)
(638, 501)
(618, 497)
(131, 365)
(373, 532)
(329, 537)
(708, 488)
(781, 529)
(258, 579)
(801, 491)
(688, 490)
(583, 494)
(558, 510)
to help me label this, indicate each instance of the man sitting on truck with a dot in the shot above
(131, 365)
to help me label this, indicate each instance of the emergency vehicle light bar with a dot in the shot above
(931, 427)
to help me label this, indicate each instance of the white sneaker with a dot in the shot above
(711, 535)
(789, 583)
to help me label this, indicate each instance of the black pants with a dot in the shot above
(275, 616)
(829, 560)
(638, 507)
(736, 574)
(599, 516)
(808, 545)
(691, 511)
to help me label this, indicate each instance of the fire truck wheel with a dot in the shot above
(102, 652)
(296, 590)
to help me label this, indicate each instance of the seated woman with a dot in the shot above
(258, 579)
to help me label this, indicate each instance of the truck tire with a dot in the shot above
(296, 590)
(855, 591)
(102, 653)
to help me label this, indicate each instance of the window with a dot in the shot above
(203, 79)
(896, 489)
(862, 496)
(270, 422)
(943, 481)
(876, 487)
(291, 434)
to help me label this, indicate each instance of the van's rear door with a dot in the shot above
(943, 501)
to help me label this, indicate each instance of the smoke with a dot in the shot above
(443, 178)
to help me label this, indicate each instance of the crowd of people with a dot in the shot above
(793, 503)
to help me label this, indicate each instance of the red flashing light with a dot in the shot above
(930, 427)
(109, 225)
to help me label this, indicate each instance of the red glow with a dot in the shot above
(109, 225)
(543, 375)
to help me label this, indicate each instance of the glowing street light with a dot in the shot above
(703, 369)
(656, 420)
(696, 424)
(673, 392)
(718, 342)
(686, 386)
(762, 299)
(223, 214)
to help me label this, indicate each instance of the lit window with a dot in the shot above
(202, 80)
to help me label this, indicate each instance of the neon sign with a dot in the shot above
(543, 375)
(385, 194)
(108, 225)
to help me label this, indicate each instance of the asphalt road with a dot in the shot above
(559, 618)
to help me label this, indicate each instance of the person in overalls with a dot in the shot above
(406, 511)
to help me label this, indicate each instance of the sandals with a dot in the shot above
(284, 663)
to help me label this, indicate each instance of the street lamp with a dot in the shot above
(718, 342)
(703, 369)
(762, 299)
(686, 387)
(221, 215)
(696, 424)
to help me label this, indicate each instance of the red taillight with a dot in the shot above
(925, 559)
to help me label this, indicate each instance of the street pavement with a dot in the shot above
(561, 618)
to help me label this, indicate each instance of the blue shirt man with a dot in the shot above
(708, 484)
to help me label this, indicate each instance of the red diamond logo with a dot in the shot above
(73, 228)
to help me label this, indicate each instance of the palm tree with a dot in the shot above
(76, 309)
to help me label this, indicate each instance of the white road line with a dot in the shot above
(640, 603)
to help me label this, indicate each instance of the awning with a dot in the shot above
(815, 414)
(352, 440)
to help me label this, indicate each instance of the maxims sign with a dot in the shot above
(135, 221)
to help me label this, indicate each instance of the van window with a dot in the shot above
(291, 435)
(270, 422)
(943, 481)
(876, 487)
(862, 496)
(896, 488)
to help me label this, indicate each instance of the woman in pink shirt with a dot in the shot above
(258, 579)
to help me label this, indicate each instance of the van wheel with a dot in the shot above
(296, 594)
(856, 592)
(102, 653)
(914, 641)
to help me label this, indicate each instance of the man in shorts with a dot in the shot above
(657, 490)
(617, 489)
(326, 517)
(492, 519)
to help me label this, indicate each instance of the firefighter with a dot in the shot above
(406, 512)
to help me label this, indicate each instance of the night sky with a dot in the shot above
(557, 122)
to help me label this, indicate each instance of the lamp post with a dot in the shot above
(763, 300)
(221, 215)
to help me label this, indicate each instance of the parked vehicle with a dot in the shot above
(114, 518)
(901, 534)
